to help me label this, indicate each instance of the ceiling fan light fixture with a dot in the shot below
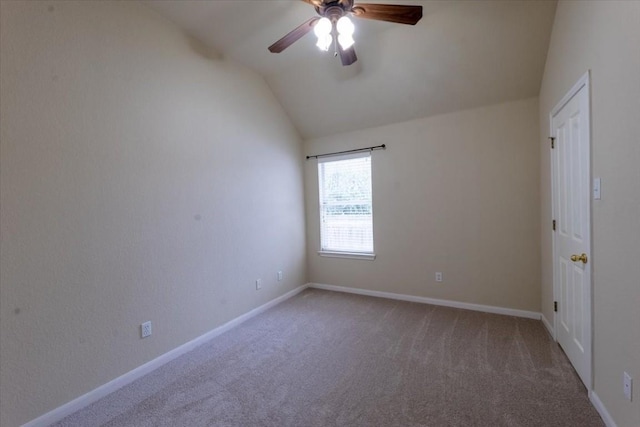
(334, 26)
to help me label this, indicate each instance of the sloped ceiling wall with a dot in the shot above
(462, 54)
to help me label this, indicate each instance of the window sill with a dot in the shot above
(350, 255)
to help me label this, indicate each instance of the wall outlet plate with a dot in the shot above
(145, 329)
(627, 384)
(438, 276)
(279, 276)
(258, 284)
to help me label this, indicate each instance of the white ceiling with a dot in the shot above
(462, 54)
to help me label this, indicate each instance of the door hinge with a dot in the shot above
(553, 142)
(554, 225)
(555, 306)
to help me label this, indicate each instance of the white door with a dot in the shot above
(572, 241)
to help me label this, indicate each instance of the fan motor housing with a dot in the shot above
(335, 9)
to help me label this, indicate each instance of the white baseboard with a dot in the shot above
(433, 301)
(125, 379)
(602, 410)
(547, 325)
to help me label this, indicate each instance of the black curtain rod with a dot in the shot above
(357, 150)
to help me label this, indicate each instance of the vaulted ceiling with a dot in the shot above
(462, 54)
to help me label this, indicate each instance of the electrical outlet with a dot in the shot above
(279, 276)
(627, 384)
(145, 330)
(258, 284)
(438, 276)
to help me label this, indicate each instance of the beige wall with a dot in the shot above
(141, 179)
(604, 37)
(456, 193)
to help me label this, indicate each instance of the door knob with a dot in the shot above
(582, 258)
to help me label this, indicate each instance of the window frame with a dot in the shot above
(362, 255)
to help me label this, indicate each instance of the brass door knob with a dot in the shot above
(582, 258)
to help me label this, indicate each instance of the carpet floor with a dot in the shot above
(331, 359)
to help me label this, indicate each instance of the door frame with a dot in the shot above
(583, 83)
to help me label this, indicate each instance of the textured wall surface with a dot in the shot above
(603, 37)
(142, 178)
(456, 193)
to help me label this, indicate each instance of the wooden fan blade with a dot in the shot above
(313, 2)
(294, 35)
(388, 12)
(347, 56)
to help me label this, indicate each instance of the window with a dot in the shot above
(346, 215)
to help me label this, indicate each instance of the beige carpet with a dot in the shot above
(333, 359)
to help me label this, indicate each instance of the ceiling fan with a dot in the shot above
(333, 21)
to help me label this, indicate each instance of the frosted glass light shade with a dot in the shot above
(323, 27)
(345, 26)
(346, 41)
(345, 32)
(324, 42)
(322, 30)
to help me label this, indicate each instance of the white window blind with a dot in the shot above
(346, 216)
